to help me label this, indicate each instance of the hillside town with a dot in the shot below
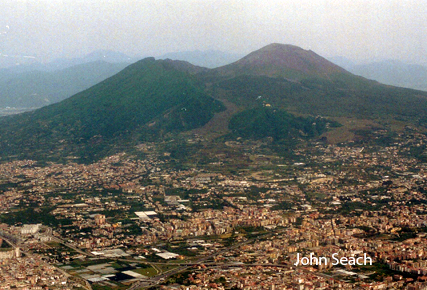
(128, 222)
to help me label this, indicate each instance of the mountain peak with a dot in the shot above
(179, 65)
(283, 60)
(279, 46)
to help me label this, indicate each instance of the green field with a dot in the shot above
(149, 272)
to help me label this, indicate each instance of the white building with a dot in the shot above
(30, 229)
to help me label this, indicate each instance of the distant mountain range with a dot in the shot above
(40, 88)
(279, 91)
(390, 72)
(35, 85)
(63, 63)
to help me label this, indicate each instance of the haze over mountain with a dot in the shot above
(63, 63)
(390, 72)
(41, 88)
(34, 85)
(279, 91)
(208, 59)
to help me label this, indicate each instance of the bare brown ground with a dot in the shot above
(346, 132)
(218, 125)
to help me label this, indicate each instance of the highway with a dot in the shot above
(156, 280)
(181, 267)
(61, 241)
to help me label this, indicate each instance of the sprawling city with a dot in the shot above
(236, 222)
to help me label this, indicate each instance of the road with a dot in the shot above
(61, 241)
(156, 280)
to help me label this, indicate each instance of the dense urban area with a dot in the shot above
(234, 216)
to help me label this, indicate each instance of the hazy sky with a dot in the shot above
(357, 29)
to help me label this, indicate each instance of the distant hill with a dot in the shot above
(40, 88)
(280, 92)
(96, 56)
(7, 61)
(389, 72)
(343, 62)
(208, 59)
(395, 73)
(63, 63)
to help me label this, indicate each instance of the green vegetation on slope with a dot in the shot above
(342, 96)
(264, 122)
(156, 100)
(141, 102)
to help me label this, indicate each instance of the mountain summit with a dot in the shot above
(282, 60)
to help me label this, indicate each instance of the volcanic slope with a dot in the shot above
(146, 100)
(280, 60)
(157, 99)
(300, 81)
